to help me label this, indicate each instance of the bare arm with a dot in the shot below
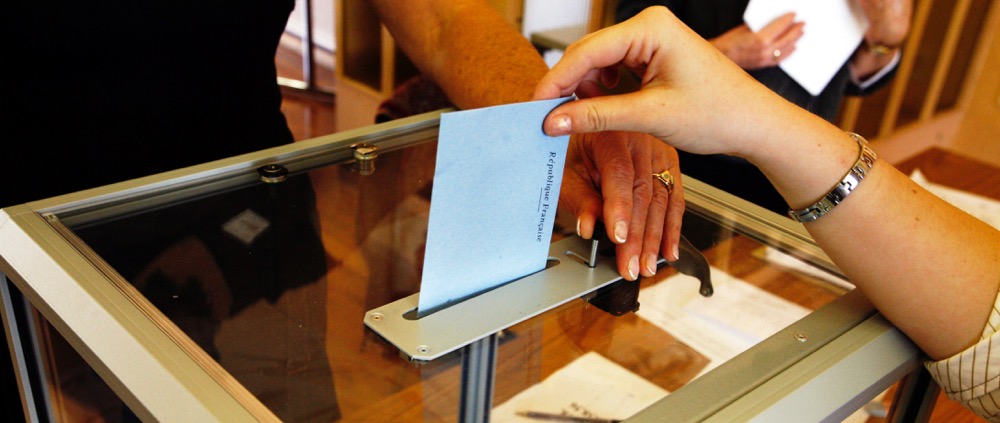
(931, 269)
(466, 47)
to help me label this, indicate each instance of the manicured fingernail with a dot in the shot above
(621, 231)
(633, 268)
(561, 125)
(578, 227)
(651, 264)
(675, 253)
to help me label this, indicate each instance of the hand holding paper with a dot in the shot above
(833, 31)
(493, 204)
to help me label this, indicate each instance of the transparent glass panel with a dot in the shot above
(272, 280)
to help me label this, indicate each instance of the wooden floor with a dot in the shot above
(310, 114)
(308, 117)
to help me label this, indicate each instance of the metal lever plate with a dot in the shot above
(458, 325)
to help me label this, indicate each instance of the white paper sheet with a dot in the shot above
(738, 316)
(591, 386)
(797, 265)
(493, 203)
(719, 327)
(833, 30)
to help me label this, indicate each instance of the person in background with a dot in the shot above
(111, 91)
(185, 83)
(936, 274)
(870, 68)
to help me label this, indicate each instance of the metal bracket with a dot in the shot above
(456, 326)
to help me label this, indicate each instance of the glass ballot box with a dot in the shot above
(281, 285)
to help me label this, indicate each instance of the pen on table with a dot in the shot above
(559, 417)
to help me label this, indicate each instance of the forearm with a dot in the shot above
(931, 269)
(465, 47)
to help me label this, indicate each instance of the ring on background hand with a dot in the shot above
(777, 54)
(666, 179)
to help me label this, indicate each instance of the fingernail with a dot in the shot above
(561, 125)
(633, 268)
(578, 227)
(675, 253)
(651, 264)
(621, 231)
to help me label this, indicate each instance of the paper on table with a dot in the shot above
(493, 203)
(735, 318)
(590, 386)
(779, 258)
(833, 30)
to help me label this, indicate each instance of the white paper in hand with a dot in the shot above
(833, 30)
(493, 204)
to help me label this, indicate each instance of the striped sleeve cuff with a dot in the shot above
(972, 377)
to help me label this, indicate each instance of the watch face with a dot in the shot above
(878, 49)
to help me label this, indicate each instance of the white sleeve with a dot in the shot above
(878, 75)
(972, 377)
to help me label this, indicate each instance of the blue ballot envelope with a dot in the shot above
(499, 173)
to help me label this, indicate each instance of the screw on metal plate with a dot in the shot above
(364, 158)
(801, 337)
(272, 173)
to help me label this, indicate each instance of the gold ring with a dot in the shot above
(666, 179)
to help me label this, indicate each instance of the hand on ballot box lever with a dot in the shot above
(622, 297)
(632, 183)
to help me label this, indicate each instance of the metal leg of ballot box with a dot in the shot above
(915, 398)
(478, 362)
(19, 327)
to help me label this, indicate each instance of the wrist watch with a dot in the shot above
(877, 49)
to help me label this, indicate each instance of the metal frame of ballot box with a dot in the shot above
(821, 368)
